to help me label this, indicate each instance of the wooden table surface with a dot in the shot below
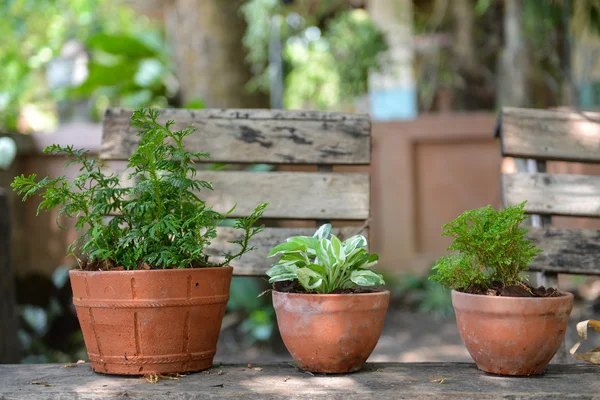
(283, 381)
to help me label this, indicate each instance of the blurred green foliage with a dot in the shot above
(257, 312)
(127, 63)
(419, 293)
(327, 51)
(49, 331)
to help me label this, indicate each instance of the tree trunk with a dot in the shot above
(512, 90)
(9, 345)
(464, 48)
(206, 39)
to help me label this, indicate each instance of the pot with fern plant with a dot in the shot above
(148, 298)
(508, 326)
(329, 315)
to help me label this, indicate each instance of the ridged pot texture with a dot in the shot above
(512, 335)
(151, 321)
(330, 333)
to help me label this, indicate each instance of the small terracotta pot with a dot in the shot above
(154, 321)
(330, 333)
(512, 335)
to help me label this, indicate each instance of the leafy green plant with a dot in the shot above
(322, 263)
(491, 247)
(123, 61)
(159, 220)
(328, 49)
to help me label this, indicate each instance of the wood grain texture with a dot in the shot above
(566, 251)
(291, 195)
(256, 263)
(254, 136)
(553, 194)
(415, 381)
(10, 349)
(550, 134)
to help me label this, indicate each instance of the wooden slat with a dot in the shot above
(256, 262)
(550, 134)
(402, 381)
(566, 251)
(10, 351)
(254, 136)
(291, 195)
(553, 194)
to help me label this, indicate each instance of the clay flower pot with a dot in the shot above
(154, 321)
(330, 333)
(512, 335)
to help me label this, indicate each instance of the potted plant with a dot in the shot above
(329, 319)
(508, 326)
(148, 298)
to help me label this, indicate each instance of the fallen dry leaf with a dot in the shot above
(379, 370)
(439, 380)
(69, 365)
(154, 378)
(592, 356)
(258, 369)
(46, 384)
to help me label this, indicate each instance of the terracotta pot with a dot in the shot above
(330, 333)
(159, 321)
(512, 335)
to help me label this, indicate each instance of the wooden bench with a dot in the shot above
(550, 135)
(322, 139)
(275, 137)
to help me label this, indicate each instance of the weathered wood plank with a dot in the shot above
(291, 195)
(568, 251)
(553, 194)
(550, 134)
(10, 351)
(256, 263)
(254, 136)
(281, 381)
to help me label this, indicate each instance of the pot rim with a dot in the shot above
(77, 271)
(378, 292)
(566, 295)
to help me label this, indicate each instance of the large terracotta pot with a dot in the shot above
(330, 333)
(512, 335)
(155, 321)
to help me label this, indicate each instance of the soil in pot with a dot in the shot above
(151, 321)
(331, 333)
(509, 335)
(521, 290)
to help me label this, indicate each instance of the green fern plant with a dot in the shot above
(490, 246)
(158, 221)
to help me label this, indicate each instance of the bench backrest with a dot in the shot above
(272, 137)
(561, 136)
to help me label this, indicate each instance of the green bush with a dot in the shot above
(490, 246)
(159, 220)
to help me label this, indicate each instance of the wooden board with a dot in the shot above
(255, 263)
(10, 350)
(291, 195)
(568, 251)
(550, 134)
(553, 194)
(419, 381)
(254, 136)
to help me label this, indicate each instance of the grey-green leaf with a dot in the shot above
(323, 232)
(366, 278)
